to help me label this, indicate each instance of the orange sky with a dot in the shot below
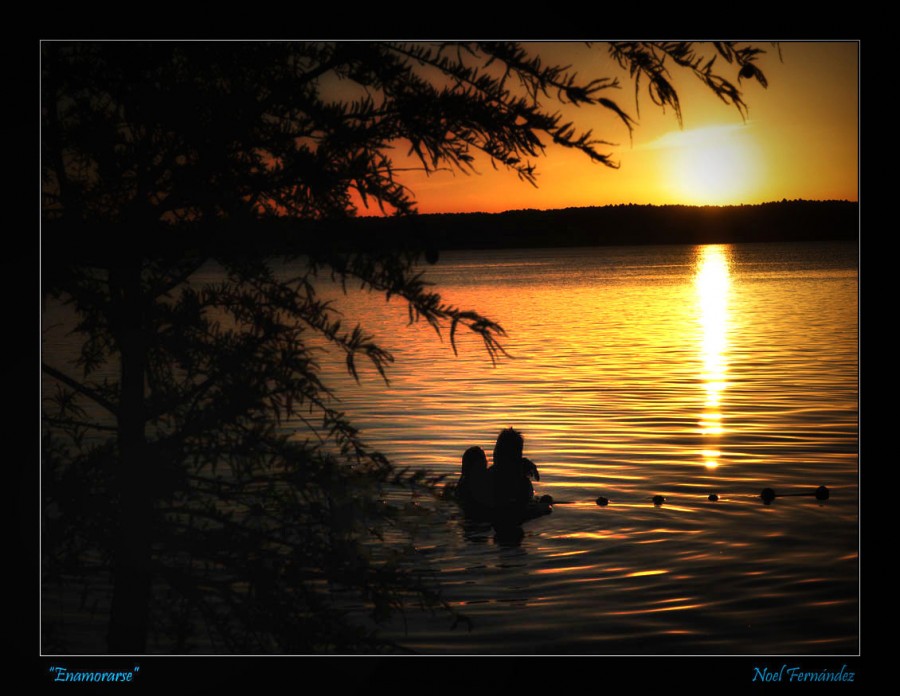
(799, 141)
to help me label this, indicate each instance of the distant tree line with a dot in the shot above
(611, 225)
(796, 220)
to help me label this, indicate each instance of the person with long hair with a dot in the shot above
(509, 474)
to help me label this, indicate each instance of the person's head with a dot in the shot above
(509, 447)
(474, 460)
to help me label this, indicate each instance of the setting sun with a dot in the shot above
(713, 165)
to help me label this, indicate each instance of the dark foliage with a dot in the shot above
(197, 475)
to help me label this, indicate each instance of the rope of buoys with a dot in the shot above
(767, 495)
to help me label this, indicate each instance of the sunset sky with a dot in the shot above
(800, 140)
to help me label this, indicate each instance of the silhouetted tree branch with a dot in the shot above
(80, 388)
(216, 522)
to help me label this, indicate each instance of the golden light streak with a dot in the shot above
(561, 554)
(568, 569)
(712, 283)
(830, 603)
(642, 573)
(655, 610)
(590, 535)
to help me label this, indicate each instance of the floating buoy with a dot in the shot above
(713, 497)
(822, 493)
(602, 502)
(658, 500)
(767, 495)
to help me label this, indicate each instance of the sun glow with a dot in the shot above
(712, 283)
(713, 165)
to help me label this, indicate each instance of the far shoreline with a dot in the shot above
(628, 224)
(432, 233)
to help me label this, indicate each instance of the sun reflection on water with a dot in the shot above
(712, 283)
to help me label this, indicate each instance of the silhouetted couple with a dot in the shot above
(506, 485)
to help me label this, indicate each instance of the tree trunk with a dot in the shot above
(132, 562)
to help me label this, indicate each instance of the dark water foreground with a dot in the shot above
(687, 577)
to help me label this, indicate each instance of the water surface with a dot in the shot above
(678, 371)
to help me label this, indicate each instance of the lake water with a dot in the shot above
(680, 371)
